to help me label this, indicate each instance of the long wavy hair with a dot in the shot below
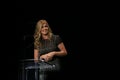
(38, 35)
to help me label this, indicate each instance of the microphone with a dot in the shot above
(42, 60)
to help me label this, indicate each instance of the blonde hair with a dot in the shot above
(37, 34)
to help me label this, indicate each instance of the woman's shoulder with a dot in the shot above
(57, 38)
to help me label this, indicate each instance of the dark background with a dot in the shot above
(79, 26)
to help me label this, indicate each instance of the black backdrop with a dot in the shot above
(78, 27)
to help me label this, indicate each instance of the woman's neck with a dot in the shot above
(45, 36)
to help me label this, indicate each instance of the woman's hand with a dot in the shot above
(47, 57)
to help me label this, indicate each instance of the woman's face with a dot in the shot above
(44, 29)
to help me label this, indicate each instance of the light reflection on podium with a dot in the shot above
(36, 67)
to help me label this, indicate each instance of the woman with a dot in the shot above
(47, 46)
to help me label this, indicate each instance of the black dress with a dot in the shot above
(49, 46)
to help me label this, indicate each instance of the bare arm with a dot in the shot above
(50, 55)
(35, 55)
(62, 51)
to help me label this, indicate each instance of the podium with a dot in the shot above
(39, 68)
